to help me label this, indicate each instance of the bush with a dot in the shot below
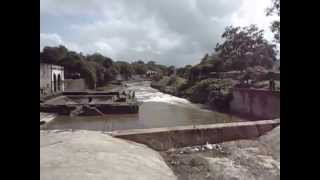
(215, 92)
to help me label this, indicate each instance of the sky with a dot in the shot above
(178, 32)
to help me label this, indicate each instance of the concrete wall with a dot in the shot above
(182, 136)
(48, 73)
(45, 78)
(74, 85)
(58, 72)
(261, 104)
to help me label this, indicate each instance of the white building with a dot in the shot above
(51, 79)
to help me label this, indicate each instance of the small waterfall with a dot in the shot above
(46, 117)
(78, 110)
(96, 109)
(85, 109)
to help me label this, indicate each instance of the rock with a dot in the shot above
(209, 146)
(235, 160)
(169, 85)
(271, 141)
(225, 169)
(93, 155)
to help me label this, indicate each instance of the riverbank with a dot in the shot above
(80, 147)
(214, 92)
(96, 155)
(111, 87)
(169, 84)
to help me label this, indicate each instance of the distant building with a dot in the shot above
(151, 73)
(51, 79)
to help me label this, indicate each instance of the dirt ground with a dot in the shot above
(244, 159)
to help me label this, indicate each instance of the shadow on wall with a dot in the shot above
(261, 104)
(75, 85)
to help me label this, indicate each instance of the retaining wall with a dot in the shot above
(45, 79)
(257, 104)
(74, 85)
(162, 139)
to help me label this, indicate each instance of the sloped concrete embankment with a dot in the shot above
(74, 155)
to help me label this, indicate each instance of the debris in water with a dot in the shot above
(209, 146)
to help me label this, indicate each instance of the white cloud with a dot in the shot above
(103, 47)
(176, 32)
(50, 40)
(254, 12)
(47, 39)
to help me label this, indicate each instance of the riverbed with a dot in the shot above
(157, 110)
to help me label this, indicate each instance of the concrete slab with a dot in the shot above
(162, 139)
(67, 155)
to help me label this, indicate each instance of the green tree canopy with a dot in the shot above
(244, 47)
(275, 26)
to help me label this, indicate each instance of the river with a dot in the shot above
(157, 110)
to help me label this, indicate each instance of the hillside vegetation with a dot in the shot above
(96, 69)
(245, 59)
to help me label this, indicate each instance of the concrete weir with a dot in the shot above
(89, 103)
(162, 139)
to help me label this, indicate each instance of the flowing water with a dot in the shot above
(157, 110)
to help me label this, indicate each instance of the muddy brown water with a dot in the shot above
(157, 110)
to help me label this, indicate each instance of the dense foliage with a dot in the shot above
(242, 48)
(96, 69)
(245, 47)
(275, 26)
(243, 55)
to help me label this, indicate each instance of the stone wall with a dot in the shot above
(74, 85)
(51, 79)
(57, 78)
(45, 79)
(261, 104)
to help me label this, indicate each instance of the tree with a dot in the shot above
(171, 70)
(125, 69)
(106, 62)
(275, 26)
(72, 62)
(151, 63)
(184, 71)
(77, 63)
(139, 67)
(140, 62)
(111, 73)
(245, 47)
(203, 60)
(53, 55)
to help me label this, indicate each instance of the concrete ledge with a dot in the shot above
(264, 91)
(165, 138)
(90, 93)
